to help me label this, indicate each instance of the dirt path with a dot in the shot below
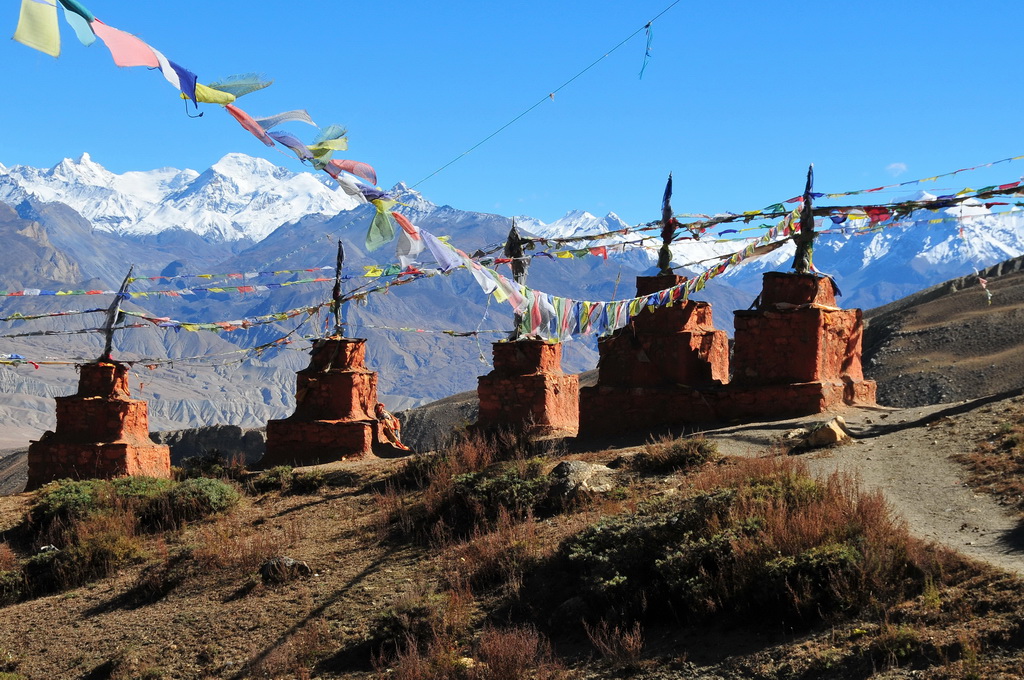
(906, 453)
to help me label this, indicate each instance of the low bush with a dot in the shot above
(96, 546)
(308, 482)
(465, 487)
(12, 586)
(196, 498)
(275, 479)
(760, 539)
(420, 618)
(516, 487)
(212, 464)
(669, 454)
(91, 527)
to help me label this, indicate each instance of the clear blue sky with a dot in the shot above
(736, 100)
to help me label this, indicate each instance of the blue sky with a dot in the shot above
(736, 100)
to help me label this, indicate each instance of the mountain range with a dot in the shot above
(78, 226)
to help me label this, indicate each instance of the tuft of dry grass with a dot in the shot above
(618, 645)
(8, 560)
(499, 557)
(515, 653)
(671, 454)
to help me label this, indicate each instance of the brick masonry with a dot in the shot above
(101, 433)
(795, 354)
(527, 388)
(333, 420)
(652, 372)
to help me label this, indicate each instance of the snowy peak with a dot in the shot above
(238, 197)
(579, 222)
(412, 199)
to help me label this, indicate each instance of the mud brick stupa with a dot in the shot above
(796, 353)
(101, 433)
(527, 389)
(649, 372)
(334, 419)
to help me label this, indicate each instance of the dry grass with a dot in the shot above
(996, 466)
(297, 657)
(232, 544)
(618, 645)
(8, 560)
(499, 557)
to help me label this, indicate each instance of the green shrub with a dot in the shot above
(199, 497)
(516, 487)
(758, 538)
(669, 455)
(307, 482)
(417, 619)
(66, 500)
(275, 479)
(620, 557)
(12, 587)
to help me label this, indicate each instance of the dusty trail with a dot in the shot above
(906, 453)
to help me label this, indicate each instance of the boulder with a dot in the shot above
(572, 477)
(819, 435)
(281, 569)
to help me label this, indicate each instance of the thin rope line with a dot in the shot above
(550, 95)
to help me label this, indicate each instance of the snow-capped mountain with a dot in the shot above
(876, 267)
(77, 225)
(239, 197)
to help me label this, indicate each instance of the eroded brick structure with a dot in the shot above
(334, 417)
(797, 353)
(650, 371)
(527, 387)
(101, 433)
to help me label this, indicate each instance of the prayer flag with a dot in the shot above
(126, 49)
(37, 26)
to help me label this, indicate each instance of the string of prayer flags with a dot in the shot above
(38, 28)
(233, 325)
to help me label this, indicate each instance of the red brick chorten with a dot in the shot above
(334, 419)
(100, 433)
(649, 372)
(528, 389)
(797, 353)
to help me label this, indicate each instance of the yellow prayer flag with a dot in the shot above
(564, 254)
(37, 26)
(373, 271)
(499, 294)
(209, 95)
(323, 148)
